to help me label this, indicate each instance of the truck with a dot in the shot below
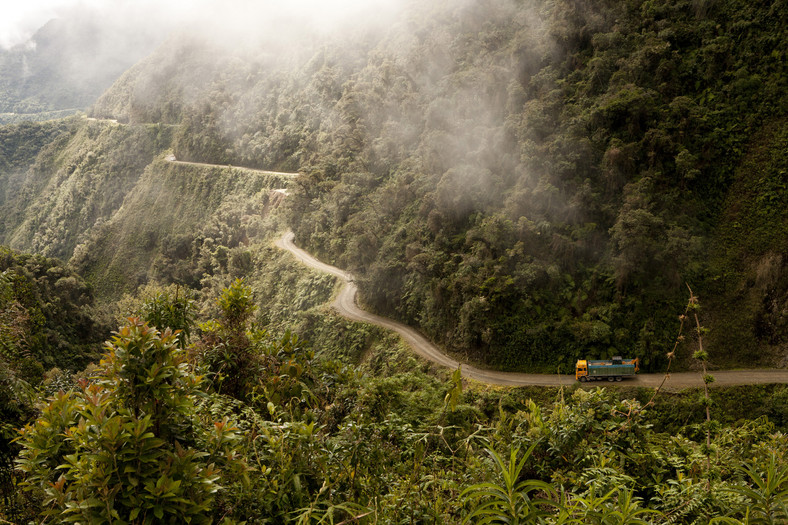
(614, 369)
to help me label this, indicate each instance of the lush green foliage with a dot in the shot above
(229, 356)
(20, 144)
(375, 462)
(746, 261)
(172, 308)
(74, 184)
(274, 436)
(129, 446)
(509, 502)
(46, 318)
(180, 224)
(562, 206)
(528, 183)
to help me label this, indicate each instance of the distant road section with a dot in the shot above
(171, 158)
(345, 304)
(107, 120)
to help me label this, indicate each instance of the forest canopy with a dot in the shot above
(524, 182)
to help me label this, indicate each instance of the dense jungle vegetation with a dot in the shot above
(526, 182)
(225, 422)
(75, 182)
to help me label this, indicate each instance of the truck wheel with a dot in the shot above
(611, 378)
(583, 379)
(618, 378)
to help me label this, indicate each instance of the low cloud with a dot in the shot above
(221, 18)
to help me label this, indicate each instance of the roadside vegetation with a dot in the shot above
(222, 421)
(527, 183)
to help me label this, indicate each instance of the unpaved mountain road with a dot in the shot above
(107, 120)
(345, 304)
(171, 158)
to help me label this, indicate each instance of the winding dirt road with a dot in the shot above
(345, 304)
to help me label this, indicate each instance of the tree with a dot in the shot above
(128, 446)
(225, 351)
(168, 308)
(247, 363)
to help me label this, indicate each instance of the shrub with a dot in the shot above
(128, 446)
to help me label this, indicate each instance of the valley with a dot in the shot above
(326, 264)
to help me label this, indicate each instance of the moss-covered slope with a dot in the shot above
(174, 215)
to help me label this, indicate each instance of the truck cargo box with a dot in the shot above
(614, 369)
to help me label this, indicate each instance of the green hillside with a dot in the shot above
(525, 183)
(77, 180)
(179, 223)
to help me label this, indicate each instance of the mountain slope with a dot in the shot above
(176, 224)
(77, 180)
(526, 183)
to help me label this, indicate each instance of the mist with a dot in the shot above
(63, 54)
(212, 18)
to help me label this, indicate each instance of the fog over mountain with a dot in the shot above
(71, 59)
(62, 55)
(517, 179)
(532, 187)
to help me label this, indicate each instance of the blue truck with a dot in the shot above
(614, 369)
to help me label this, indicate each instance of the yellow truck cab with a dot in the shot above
(581, 369)
(614, 369)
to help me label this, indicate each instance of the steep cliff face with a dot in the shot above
(76, 181)
(528, 183)
(178, 223)
(748, 268)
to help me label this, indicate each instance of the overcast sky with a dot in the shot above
(19, 19)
